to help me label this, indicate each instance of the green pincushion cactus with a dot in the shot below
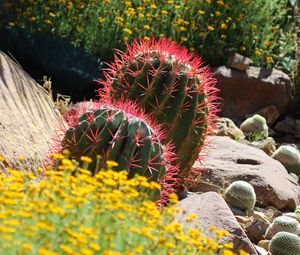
(288, 156)
(255, 128)
(241, 195)
(284, 243)
(282, 223)
(171, 85)
(121, 133)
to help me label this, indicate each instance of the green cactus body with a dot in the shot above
(284, 243)
(289, 157)
(240, 194)
(282, 223)
(122, 134)
(255, 128)
(168, 84)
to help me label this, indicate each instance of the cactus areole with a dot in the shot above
(171, 85)
(122, 134)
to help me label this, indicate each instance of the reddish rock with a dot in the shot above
(229, 161)
(212, 210)
(247, 92)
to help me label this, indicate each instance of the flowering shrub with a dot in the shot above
(68, 211)
(258, 29)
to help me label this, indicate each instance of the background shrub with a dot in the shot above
(261, 29)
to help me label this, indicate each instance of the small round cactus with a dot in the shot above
(288, 156)
(255, 128)
(284, 243)
(241, 195)
(282, 223)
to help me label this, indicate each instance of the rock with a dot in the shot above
(256, 230)
(264, 244)
(289, 126)
(248, 92)
(268, 145)
(270, 113)
(260, 250)
(28, 118)
(226, 127)
(212, 210)
(228, 161)
(239, 62)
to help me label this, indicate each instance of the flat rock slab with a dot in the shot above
(28, 118)
(212, 210)
(228, 161)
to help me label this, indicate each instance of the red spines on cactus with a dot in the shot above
(121, 132)
(170, 85)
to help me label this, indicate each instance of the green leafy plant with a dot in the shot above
(261, 30)
(172, 87)
(66, 211)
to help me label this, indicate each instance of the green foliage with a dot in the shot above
(282, 223)
(240, 194)
(284, 243)
(66, 211)
(261, 30)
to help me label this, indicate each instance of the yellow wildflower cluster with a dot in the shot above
(68, 211)
(206, 26)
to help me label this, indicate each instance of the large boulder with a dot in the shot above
(212, 210)
(247, 92)
(28, 117)
(229, 161)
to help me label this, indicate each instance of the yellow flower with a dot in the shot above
(208, 1)
(220, 3)
(51, 14)
(191, 217)
(223, 26)
(101, 20)
(217, 13)
(127, 3)
(201, 12)
(210, 28)
(177, 6)
(258, 52)
(11, 24)
(85, 159)
(267, 43)
(147, 27)
(269, 59)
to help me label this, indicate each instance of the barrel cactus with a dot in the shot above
(288, 156)
(255, 128)
(123, 134)
(240, 194)
(171, 85)
(284, 243)
(282, 223)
